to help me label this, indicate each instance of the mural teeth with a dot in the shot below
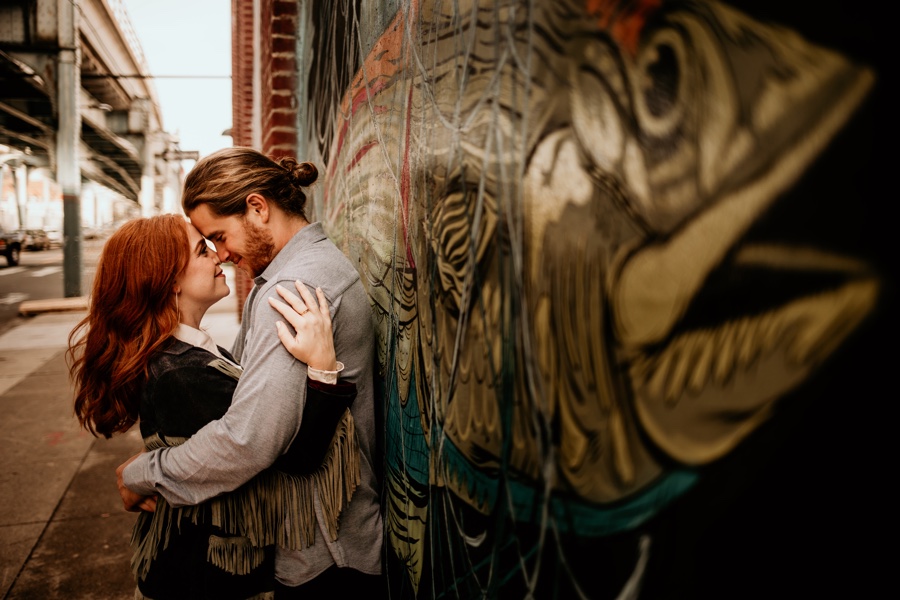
(724, 360)
(796, 326)
(680, 370)
(703, 365)
(767, 333)
(657, 380)
(749, 347)
(640, 368)
(738, 331)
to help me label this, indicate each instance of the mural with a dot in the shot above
(584, 228)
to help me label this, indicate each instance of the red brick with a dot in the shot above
(285, 7)
(284, 82)
(284, 64)
(282, 119)
(283, 44)
(284, 26)
(282, 101)
(285, 140)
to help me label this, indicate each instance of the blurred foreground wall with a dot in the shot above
(628, 265)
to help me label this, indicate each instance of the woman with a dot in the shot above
(139, 355)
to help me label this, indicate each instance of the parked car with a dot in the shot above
(56, 238)
(11, 246)
(35, 239)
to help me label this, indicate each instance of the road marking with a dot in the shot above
(12, 270)
(46, 271)
(43, 260)
(13, 298)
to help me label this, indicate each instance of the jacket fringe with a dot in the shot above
(234, 554)
(273, 508)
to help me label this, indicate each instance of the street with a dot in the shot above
(39, 276)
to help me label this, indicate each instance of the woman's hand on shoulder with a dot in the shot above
(309, 338)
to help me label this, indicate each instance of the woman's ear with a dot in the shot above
(258, 207)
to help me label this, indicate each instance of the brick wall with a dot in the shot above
(278, 75)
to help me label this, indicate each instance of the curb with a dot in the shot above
(30, 308)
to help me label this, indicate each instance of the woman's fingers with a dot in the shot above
(286, 311)
(298, 305)
(308, 300)
(285, 336)
(310, 340)
(323, 306)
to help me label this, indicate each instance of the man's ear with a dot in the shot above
(258, 207)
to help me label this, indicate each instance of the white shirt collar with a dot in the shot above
(196, 337)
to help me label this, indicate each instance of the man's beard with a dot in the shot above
(259, 249)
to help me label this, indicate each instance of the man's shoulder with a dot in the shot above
(320, 264)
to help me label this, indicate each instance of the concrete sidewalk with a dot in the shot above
(63, 532)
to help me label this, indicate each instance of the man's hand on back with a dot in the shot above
(133, 502)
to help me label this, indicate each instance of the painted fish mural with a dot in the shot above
(566, 216)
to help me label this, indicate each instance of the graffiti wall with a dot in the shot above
(625, 272)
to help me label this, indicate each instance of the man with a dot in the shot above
(252, 209)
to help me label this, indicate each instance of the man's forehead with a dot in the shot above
(207, 223)
(206, 231)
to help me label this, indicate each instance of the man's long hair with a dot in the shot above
(225, 178)
(132, 313)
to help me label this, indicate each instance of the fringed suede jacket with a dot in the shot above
(224, 548)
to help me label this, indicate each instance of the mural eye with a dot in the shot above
(659, 84)
(662, 77)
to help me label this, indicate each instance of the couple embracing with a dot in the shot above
(258, 476)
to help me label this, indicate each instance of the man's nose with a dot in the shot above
(222, 254)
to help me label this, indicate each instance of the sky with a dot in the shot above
(189, 37)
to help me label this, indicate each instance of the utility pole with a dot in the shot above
(68, 171)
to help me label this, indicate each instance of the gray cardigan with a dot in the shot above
(265, 413)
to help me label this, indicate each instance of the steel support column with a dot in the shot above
(68, 171)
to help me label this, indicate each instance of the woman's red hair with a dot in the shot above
(132, 313)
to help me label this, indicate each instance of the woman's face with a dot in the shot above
(202, 283)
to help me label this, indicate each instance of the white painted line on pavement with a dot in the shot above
(46, 271)
(12, 271)
(13, 298)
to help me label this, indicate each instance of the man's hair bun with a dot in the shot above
(302, 174)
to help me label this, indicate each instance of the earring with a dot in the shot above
(177, 310)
